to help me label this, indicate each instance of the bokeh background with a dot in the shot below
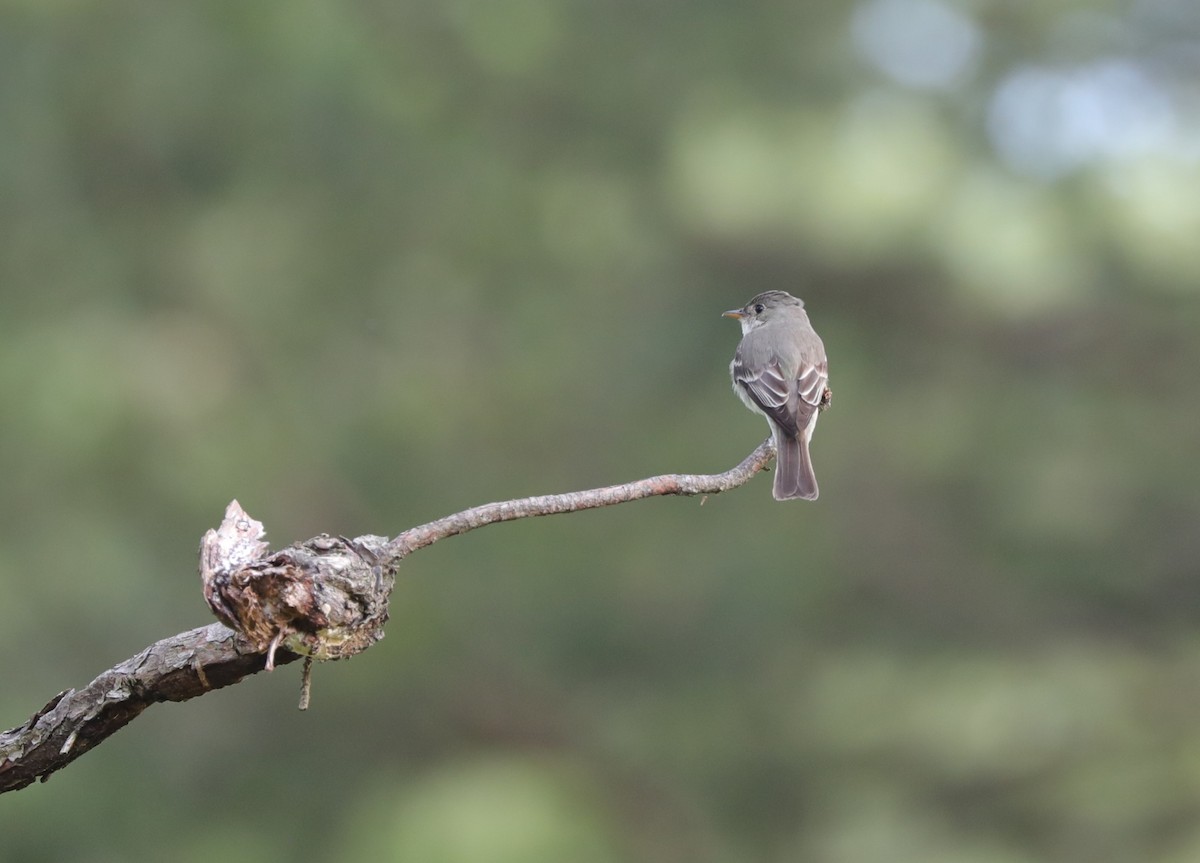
(361, 264)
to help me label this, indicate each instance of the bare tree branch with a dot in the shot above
(174, 669)
(574, 501)
(325, 586)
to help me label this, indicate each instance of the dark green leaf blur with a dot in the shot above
(361, 264)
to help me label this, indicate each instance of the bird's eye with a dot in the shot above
(758, 308)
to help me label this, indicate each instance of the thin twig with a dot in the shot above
(573, 501)
(306, 684)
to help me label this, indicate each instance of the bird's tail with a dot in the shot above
(794, 477)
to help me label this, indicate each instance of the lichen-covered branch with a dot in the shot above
(324, 598)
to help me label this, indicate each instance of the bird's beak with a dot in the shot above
(733, 313)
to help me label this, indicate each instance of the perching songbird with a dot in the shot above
(780, 371)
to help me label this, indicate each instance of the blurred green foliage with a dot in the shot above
(360, 264)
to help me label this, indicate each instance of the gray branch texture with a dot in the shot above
(325, 598)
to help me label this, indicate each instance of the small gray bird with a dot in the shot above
(780, 371)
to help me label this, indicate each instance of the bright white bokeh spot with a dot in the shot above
(918, 43)
(1047, 122)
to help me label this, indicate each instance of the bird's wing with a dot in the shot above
(811, 384)
(768, 388)
(812, 381)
